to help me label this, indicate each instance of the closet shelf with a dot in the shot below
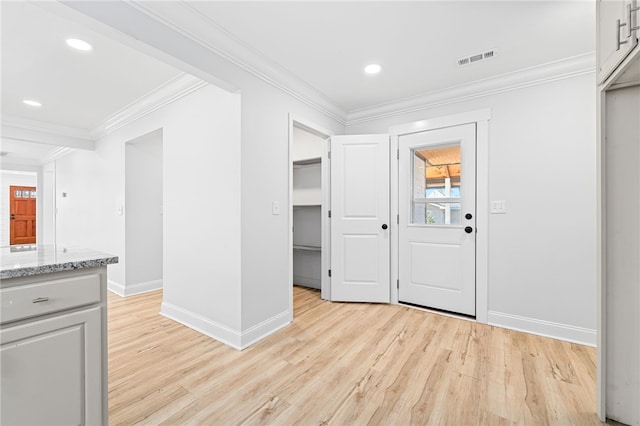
(306, 161)
(307, 248)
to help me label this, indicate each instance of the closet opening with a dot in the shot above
(309, 212)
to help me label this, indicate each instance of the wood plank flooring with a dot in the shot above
(343, 364)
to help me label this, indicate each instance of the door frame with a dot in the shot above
(325, 257)
(481, 119)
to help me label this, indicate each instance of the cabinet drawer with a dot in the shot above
(49, 296)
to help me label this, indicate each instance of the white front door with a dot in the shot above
(437, 215)
(360, 244)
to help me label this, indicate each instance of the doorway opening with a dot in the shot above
(308, 210)
(19, 208)
(143, 213)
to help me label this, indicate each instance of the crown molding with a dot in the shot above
(180, 16)
(45, 127)
(540, 74)
(174, 89)
(26, 130)
(56, 154)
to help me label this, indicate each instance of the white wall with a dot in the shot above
(201, 161)
(306, 145)
(541, 152)
(47, 197)
(143, 211)
(16, 178)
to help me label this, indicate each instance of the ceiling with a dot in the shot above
(418, 43)
(77, 89)
(325, 44)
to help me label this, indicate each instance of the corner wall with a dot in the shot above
(201, 162)
(542, 162)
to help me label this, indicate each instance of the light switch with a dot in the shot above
(498, 207)
(275, 207)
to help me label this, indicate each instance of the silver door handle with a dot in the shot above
(40, 299)
(619, 26)
(630, 27)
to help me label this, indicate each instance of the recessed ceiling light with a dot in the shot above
(372, 69)
(31, 102)
(76, 43)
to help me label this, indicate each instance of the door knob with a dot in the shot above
(468, 229)
(468, 216)
(384, 226)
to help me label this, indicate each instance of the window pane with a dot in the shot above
(436, 213)
(18, 193)
(436, 185)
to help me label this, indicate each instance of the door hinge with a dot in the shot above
(397, 154)
(397, 283)
(329, 272)
(329, 213)
(329, 155)
(398, 219)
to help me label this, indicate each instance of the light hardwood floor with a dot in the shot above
(343, 364)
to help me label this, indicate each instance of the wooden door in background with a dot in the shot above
(22, 205)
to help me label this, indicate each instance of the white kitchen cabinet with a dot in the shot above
(618, 142)
(53, 348)
(616, 37)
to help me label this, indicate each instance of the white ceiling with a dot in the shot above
(77, 89)
(325, 44)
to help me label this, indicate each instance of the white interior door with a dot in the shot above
(360, 244)
(437, 209)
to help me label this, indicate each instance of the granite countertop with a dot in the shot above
(26, 260)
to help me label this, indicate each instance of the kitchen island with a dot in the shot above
(53, 335)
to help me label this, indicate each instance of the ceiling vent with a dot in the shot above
(477, 57)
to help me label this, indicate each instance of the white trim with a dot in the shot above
(203, 325)
(174, 89)
(541, 74)
(440, 122)
(265, 328)
(481, 119)
(116, 288)
(44, 127)
(56, 154)
(210, 35)
(569, 333)
(236, 339)
(133, 289)
(31, 131)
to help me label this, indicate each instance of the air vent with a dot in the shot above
(477, 57)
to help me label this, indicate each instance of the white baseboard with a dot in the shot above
(132, 289)
(234, 338)
(116, 288)
(206, 326)
(265, 328)
(569, 333)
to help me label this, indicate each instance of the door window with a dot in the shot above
(436, 185)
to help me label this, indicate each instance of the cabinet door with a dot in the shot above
(610, 53)
(52, 371)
